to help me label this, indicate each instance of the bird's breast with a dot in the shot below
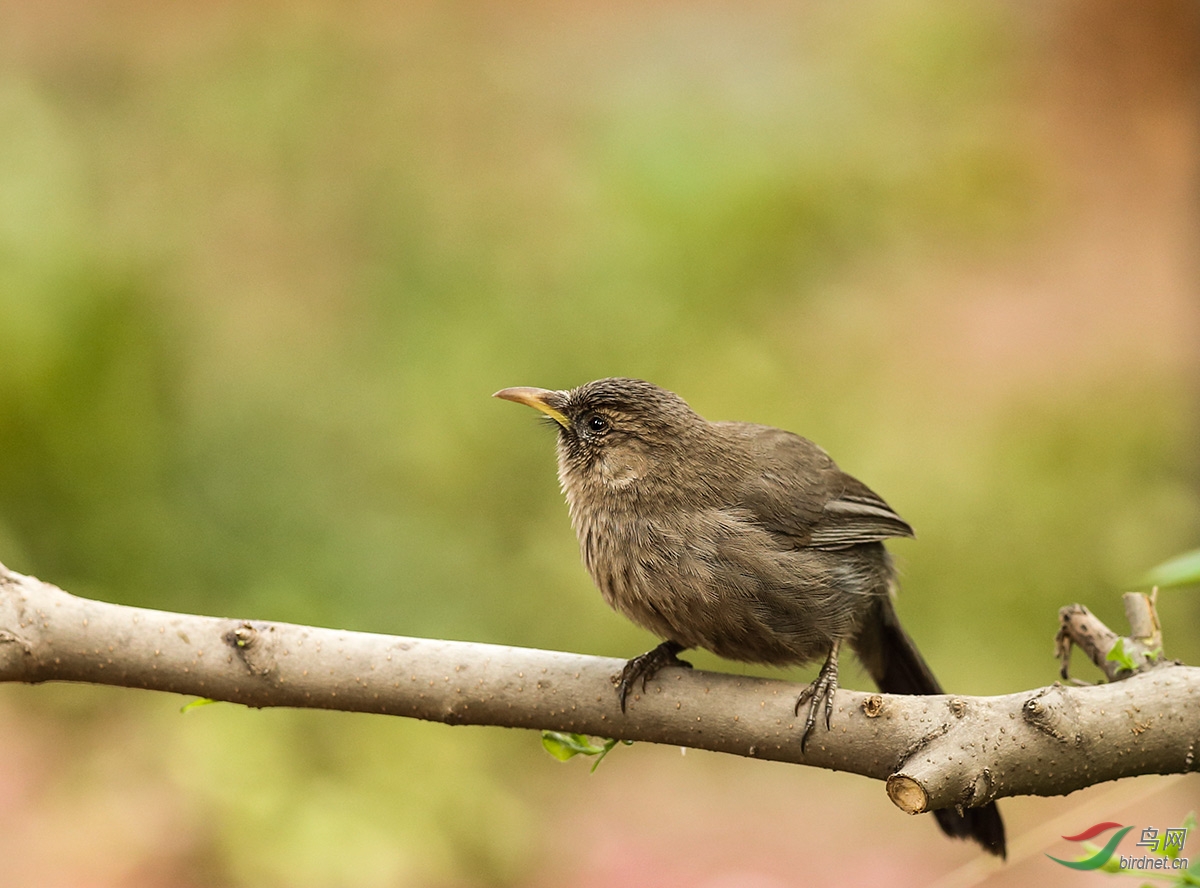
(609, 546)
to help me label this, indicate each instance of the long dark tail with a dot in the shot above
(897, 667)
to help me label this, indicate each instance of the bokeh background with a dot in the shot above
(262, 265)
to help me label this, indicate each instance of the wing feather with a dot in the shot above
(802, 494)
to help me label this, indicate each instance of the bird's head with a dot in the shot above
(613, 433)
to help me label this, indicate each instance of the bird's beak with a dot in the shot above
(544, 400)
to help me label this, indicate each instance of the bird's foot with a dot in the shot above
(645, 666)
(819, 693)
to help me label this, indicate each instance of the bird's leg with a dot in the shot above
(821, 689)
(645, 666)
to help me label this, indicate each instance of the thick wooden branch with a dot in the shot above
(934, 751)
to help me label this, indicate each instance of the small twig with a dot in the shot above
(1117, 656)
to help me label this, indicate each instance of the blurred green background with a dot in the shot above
(262, 265)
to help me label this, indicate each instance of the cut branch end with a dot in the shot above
(907, 794)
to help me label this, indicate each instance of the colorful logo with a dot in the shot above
(1102, 856)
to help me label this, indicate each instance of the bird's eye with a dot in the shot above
(597, 424)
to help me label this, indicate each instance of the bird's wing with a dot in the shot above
(858, 515)
(802, 494)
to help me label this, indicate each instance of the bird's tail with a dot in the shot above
(897, 667)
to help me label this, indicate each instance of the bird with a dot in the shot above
(738, 538)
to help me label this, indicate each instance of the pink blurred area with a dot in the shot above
(650, 816)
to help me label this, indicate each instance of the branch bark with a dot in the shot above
(934, 752)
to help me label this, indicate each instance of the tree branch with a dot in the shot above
(934, 751)
(1116, 656)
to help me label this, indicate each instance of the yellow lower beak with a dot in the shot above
(539, 399)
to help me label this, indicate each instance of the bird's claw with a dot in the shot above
(645, 666)
(821, 691)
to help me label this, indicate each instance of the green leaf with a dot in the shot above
(566, 746)
(1118, 654)
(553, 743)
(195, 704)
(1183, 570)
(1175, 850)
(608, 745)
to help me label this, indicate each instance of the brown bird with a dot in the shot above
(742, 539)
